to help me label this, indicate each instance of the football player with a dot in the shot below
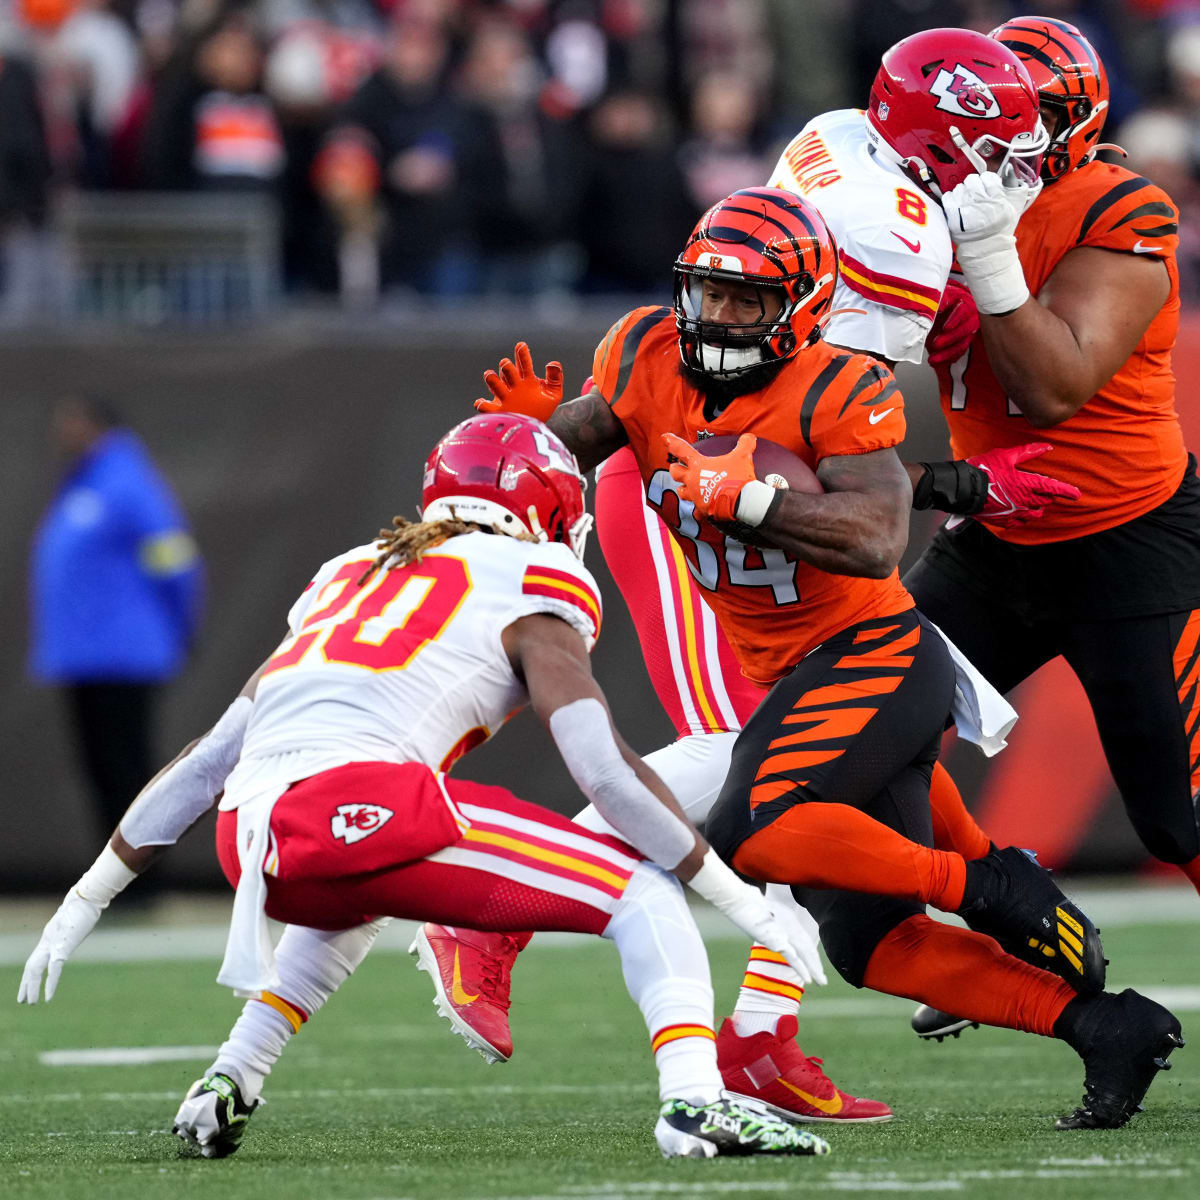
(1078, 308)
(875, 178)
(337, 811)
(828, 791)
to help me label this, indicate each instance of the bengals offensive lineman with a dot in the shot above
(1079, 309)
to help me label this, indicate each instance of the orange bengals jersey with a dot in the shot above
(824, 402)
(1124, 448)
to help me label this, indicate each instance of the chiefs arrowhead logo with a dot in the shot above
(962, 91)
(353, 822)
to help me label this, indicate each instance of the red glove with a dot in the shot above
(518, 389)
(1017, 497)
(712, 484)
(956, 324)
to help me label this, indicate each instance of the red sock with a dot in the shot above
(1192, 871)
(836, 846)
(967, 974)
(953, 827)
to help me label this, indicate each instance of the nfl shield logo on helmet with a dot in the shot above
(353, 822)
(962, 91)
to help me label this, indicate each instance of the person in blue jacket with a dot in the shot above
(117, 590)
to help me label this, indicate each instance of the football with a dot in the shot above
(774, 464)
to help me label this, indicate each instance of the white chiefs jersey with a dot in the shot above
(894, 247)
(410, 666)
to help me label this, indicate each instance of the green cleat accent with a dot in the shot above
(212, 1118)
(728, 1127)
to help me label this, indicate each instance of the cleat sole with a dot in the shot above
(794, 1118)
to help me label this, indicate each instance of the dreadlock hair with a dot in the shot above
(407, 541)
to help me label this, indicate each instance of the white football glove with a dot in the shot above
(982, 215)
(772, 926)
(64, 932)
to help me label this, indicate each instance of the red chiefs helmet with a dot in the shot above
(769, 239)
(947, 103)
(1071, 85)
(508, 473)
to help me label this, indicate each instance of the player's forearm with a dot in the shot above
(588, 746)
(844, 533)
(1038, 362)
(589, 429)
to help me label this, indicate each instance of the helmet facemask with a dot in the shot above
(724, 350)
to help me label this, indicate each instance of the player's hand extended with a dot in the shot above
(778, 930)
(954, 327)
(517, 388)
(712, 484)
(1016, 497)
(75, 919)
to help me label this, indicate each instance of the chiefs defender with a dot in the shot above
(1079, 309)
(829, 786)
(401, 657)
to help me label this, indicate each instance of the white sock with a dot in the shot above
(666, 972)
(770, 988)
(312, 964)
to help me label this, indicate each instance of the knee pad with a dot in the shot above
(852, 924)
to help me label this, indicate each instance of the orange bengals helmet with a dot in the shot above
(767, 238)
(948, 103)
(1071, 84)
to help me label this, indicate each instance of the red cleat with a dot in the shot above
(470, 972)
(770, 1068)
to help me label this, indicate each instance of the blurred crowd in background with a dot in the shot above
(530, 148)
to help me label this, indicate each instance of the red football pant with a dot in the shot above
(517, 867)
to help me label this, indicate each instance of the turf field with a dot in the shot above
(375, 1099)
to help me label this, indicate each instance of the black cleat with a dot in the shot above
(729, 1127)
(934, 1025)
(1012, 898)
(1124, 1042)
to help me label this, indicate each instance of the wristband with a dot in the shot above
(994, 274)
(107, 876)
(754, 502)
(953, 487)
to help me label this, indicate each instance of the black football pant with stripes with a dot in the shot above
(1139, 673)
(858, 722)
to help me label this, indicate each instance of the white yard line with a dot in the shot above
(124, 1056)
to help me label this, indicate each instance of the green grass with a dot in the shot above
(376, 1099)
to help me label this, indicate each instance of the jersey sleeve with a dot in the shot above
(613, 361)
(895, 272)
(1135, 216)
(556, 582)
(859, 411)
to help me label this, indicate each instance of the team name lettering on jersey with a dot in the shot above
(811, 163)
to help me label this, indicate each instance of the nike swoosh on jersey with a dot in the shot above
(1138, 248)
(915, 247)
(457, 993)
(874, 418)
(829, 1107)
